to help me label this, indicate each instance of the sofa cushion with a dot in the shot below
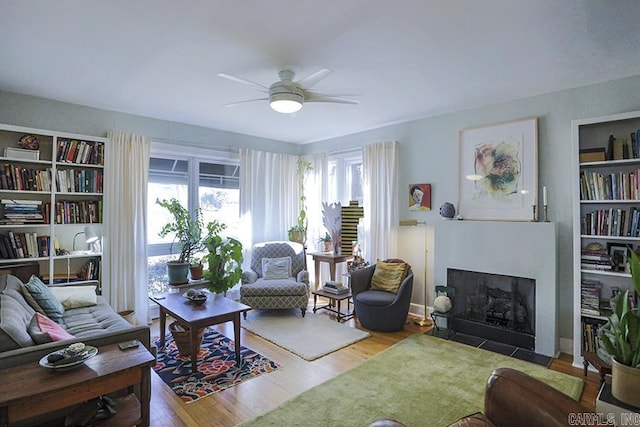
(89, 321)
(15, 315)
(75, 296)
(262, 287)
(276, 268)
(45, 298)
(375, 298)
(43, 330)
(388, 276)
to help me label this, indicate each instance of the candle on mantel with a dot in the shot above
(544, 195)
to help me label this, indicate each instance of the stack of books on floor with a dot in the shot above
(335, 288)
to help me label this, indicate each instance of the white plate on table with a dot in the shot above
(90, 352)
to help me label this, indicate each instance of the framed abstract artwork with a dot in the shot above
(419, 197)
(498, 172)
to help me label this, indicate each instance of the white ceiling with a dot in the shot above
(407, 58)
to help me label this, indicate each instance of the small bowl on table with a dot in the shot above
(197, 298)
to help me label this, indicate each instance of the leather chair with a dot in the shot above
(260, 291)
(379, 310)
(513, 398)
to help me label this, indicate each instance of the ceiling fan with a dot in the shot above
(287, 96)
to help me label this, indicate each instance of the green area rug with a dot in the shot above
(421, 381)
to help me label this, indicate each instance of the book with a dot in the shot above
(337, 291)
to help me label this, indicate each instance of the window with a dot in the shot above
(345, 178)
(208, 181)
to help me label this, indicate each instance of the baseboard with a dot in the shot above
(417, 310)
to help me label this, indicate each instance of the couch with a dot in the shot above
(96, 324)
(277, 278)
(513, 398)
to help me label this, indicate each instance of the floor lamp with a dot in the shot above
(425, 321)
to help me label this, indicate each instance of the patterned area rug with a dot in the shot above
(216, 366)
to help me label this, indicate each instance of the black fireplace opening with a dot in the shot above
(494, 306)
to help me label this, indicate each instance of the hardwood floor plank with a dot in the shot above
(258, 395)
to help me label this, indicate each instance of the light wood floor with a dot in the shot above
(258, 395)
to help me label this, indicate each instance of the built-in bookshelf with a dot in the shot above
(51, 201)
(606, 223)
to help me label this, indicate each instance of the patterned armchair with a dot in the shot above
(277, 278)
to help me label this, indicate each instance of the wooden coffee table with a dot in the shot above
(31, 390)
(217, 309)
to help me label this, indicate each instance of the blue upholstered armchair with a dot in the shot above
(277, 278)
(379, 310)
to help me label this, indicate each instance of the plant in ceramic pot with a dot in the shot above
(298, 233)
(188, 234)
(326, 239)
(621, 340)
(223, 260)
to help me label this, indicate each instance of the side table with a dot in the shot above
(603, 368)
(334, 299)
(331, 259)
(30, 390)
(614, 411)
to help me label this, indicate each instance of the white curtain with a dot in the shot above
(125, 231)
(269, 201)
(316, 193)
(380, 187)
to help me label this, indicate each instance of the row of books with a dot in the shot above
(622, 148)
(613, 186)
(91, 270)
(590, 297)
(79, 181)
(612, 222)
(23, 245)
(13, 177)
(590, 340)
(81, 212)
(82, 152)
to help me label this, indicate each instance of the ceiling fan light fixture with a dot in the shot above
(285, 102)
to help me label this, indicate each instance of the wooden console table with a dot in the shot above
(29, 390)
(330, 258)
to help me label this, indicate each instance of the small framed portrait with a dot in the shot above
(420, 197)
(619, 256)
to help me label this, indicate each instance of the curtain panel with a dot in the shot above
(124, 270)
(380, 187)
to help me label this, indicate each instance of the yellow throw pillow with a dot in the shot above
(388, 276)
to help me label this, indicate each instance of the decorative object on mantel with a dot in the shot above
(419, 197)
(447, 211)
(350, 216)
(332, 220)
(425, 321)
(498, 171)
(544, 204)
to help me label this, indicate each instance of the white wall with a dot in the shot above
(429, 154)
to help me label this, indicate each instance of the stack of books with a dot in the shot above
(21, 211)
(590, 297)
(335, 288)
(595, 259)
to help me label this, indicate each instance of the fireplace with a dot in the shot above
(518, 249)
(494, 306)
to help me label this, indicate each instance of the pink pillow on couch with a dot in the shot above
(43, 330)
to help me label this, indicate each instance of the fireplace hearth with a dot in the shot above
(493, 306)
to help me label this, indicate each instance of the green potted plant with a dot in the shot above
(621, 339)
(298, 233)
(326, 239)
(224, 259)
(187, 231)
(196, 268)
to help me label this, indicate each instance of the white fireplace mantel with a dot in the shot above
(524, 249)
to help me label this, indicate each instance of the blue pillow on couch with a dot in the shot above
(43, 296)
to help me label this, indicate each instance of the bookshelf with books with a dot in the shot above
(606, 220)
(51, 190)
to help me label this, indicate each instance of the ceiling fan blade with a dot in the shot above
(241, 80)
(308, 93)
(233, 104)
(333, 99)
(310, 81)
